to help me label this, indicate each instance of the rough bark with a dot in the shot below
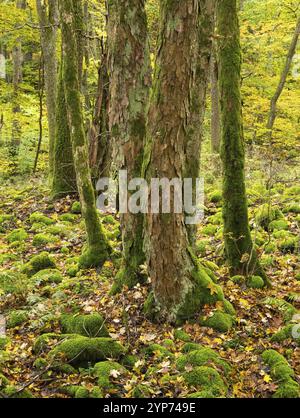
(180, 284)
(48, 20)
(283, 78)
(240, 253)
(64, 176)
(130, 79)
(97, 250)
(99, 137)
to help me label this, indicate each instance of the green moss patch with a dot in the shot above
(255, 282)
(219, 321)
(45, 277)
(39, 218)
(105, 371)
(81, 351)
(18, 235)
(87, 325)
(286, 309)
(206, 378)
(283, 374)
(16, 318)
(202, 356)
(37, 263)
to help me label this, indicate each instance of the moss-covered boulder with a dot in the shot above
(219, 321)
(280, 225)
(16, 318)
(40, 218)
(216, 197)
(45, 277)
(105, 371)
(188, 347)
(92, 325)
(141, 391)
(267, 214)
(286, 309)
(45, 341)
(289, 245)
(68, 217)
(206, 378)
(282, 373)
(287, 332)
(81, 351)
(203, 356)
(41, 240)
(159, 351)
(76, 208)
(37, 263)
(255, 282)
(18, 235)
(181, 335)
(14, 393)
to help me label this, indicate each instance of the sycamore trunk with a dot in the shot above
(97, 250)
(180, 284)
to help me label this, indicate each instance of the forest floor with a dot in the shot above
(32, 306)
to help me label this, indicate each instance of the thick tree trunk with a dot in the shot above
(240, 252)
(97, 250)
(283, 78)
(130, 79)
(180, 285)
(48, 20)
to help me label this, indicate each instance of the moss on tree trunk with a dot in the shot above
(240, 252)
(180, 284)
(130, 79)
(97, 250)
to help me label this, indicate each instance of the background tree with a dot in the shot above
(48, 20)
(240, 252)
(97, 250)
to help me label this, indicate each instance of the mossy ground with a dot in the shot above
(154, 352)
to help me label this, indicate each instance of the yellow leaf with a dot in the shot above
(267, 378)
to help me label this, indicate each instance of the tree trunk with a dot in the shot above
(130, 80)
(48, 20)
(16, 133)
(180, 285)
(240, 252)
(99, 138)
(283, 78)
(64, 176)
(215, 109)
(97, 250)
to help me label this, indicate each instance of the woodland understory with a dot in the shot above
(98, 304)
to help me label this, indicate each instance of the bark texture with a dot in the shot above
(241, 255)
(130, 79)
(48, 20)
(97, 250)
(180, 285)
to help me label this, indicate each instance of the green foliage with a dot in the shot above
(16, 318)
(45, 277)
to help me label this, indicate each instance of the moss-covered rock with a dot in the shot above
(202, 356)
(129, 361)
(81, 351)
(45, 277)
(215, 197)
(255, 282)
(40, 218)
(92, 325)
(289, 245)
(270, 248)
(109, 220)
(267, 214)
(4, 341)
(188, 347)
(280, 225)
(76, 208)
(18, 235)
(201, 247)
(238, 279)
(77, 392)
(292, 208)
(14, 393)
(281, 372)
(37, 263)
(206, 378)
(209, 230)
(219, 321)
(68, 217)
(286, 309)
(285, 333)
(105, 371)
(16, 318)
(181, 335)
(158, 351)
(41, 240)
(45, 341)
